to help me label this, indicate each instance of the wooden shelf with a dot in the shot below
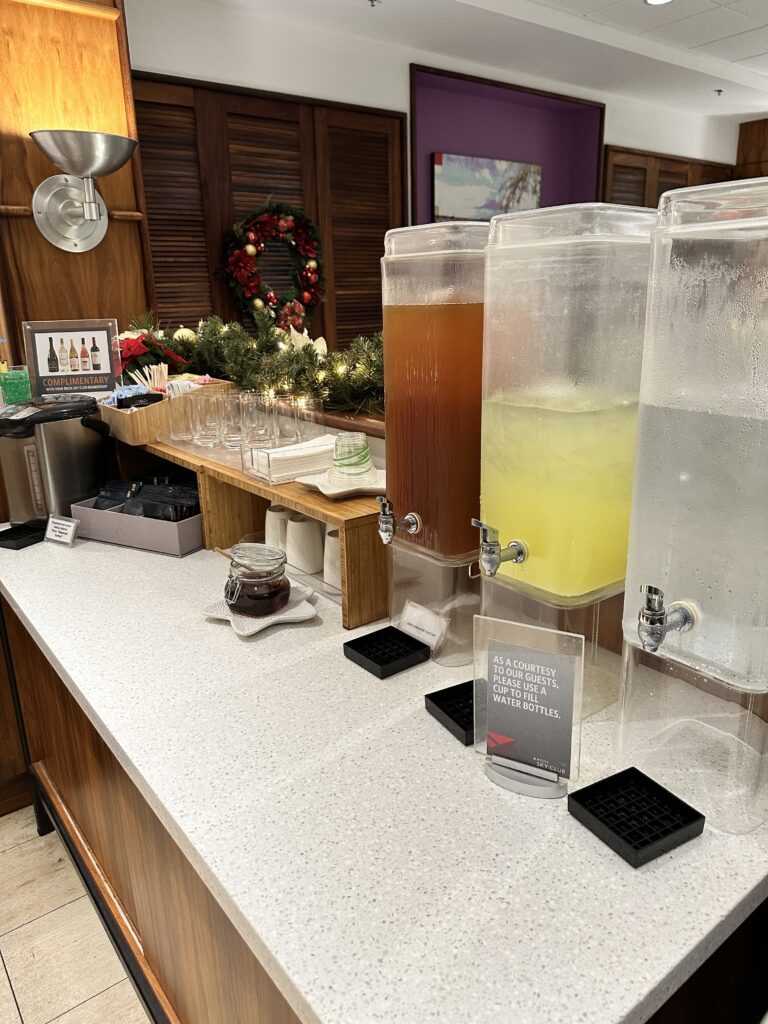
(292, 495)
(234, 504)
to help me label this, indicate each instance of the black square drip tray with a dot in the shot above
(386, 651)
(635, 816)
(24, 534)
(454, 707)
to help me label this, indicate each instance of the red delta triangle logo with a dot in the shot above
(500, 744)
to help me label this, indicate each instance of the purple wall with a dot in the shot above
(474, 119)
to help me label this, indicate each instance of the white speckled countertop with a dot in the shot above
(356, 845)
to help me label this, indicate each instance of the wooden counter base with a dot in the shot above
(188, 961)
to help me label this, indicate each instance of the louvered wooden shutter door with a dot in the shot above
(626, 178)
(361, 197)
(168, 146)
(270, 145)
(670, 174)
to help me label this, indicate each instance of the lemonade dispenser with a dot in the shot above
(695, 680)
(432, 294)
(565, 311)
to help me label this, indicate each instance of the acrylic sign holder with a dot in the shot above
(528, 686)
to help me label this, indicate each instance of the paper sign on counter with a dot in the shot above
(62, 529)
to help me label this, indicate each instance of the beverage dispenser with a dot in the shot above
(565, 311)
(695, 676)
(432, 293)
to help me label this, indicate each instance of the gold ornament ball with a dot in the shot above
(258, 303)
(312, 264)
(251, 250)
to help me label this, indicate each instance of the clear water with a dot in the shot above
(700, 532)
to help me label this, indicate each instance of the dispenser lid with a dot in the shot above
(18, 420)
(431, 239)
(727, 202)
(579, 221)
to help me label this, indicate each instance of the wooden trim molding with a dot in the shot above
(89, 7)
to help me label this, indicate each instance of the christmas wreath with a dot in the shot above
(276, 225)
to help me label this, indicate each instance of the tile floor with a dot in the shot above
(56, 962)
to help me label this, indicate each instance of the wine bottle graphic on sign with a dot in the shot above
(95, 355)
(74, 361)
(53, 361)
(63, 357)
(85, 359)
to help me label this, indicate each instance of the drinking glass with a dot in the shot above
(309, 422)
(14, 384)
(230, 431)
(257, 428)
(205, 417)
(352, 463)
(286, 421)
(180, 417)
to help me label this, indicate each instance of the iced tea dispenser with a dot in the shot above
(564, 318)
(695, 680)
(432, 277)
(432, 294)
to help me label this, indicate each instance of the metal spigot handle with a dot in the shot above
(654, 598)
(387, 509)
(488, 535)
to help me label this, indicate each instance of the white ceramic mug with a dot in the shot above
(332, 559)
(275, 526)
(304, 543)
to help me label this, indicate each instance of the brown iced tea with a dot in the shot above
(433, 359)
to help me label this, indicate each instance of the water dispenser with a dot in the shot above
(695, 679)
(565, 302)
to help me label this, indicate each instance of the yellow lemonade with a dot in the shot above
(557, 474)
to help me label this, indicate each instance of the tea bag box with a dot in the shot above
(432, 294)
(565, 303)
(695, 683)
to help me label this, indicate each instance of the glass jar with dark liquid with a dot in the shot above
(257, 584)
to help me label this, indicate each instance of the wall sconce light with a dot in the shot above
(67, 208)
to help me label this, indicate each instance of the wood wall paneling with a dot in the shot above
(635, 177)
(65, 67)
(205, 968)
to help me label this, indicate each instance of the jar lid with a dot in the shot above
(257, 557)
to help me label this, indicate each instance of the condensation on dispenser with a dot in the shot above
(695, 684)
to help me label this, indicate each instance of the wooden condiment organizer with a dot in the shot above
(234, 504)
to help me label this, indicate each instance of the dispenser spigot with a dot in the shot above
(389, 526)
(491, 554)
(655, 621)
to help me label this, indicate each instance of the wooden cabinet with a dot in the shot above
(189, 962)
(752, 159)
(211, 156)
(634, 177)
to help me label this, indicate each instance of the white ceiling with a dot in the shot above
(676, 54)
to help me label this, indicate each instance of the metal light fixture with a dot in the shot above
(657, 3)
(67, 208)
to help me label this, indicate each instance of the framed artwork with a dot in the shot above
(478, 188)
(71, 357)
